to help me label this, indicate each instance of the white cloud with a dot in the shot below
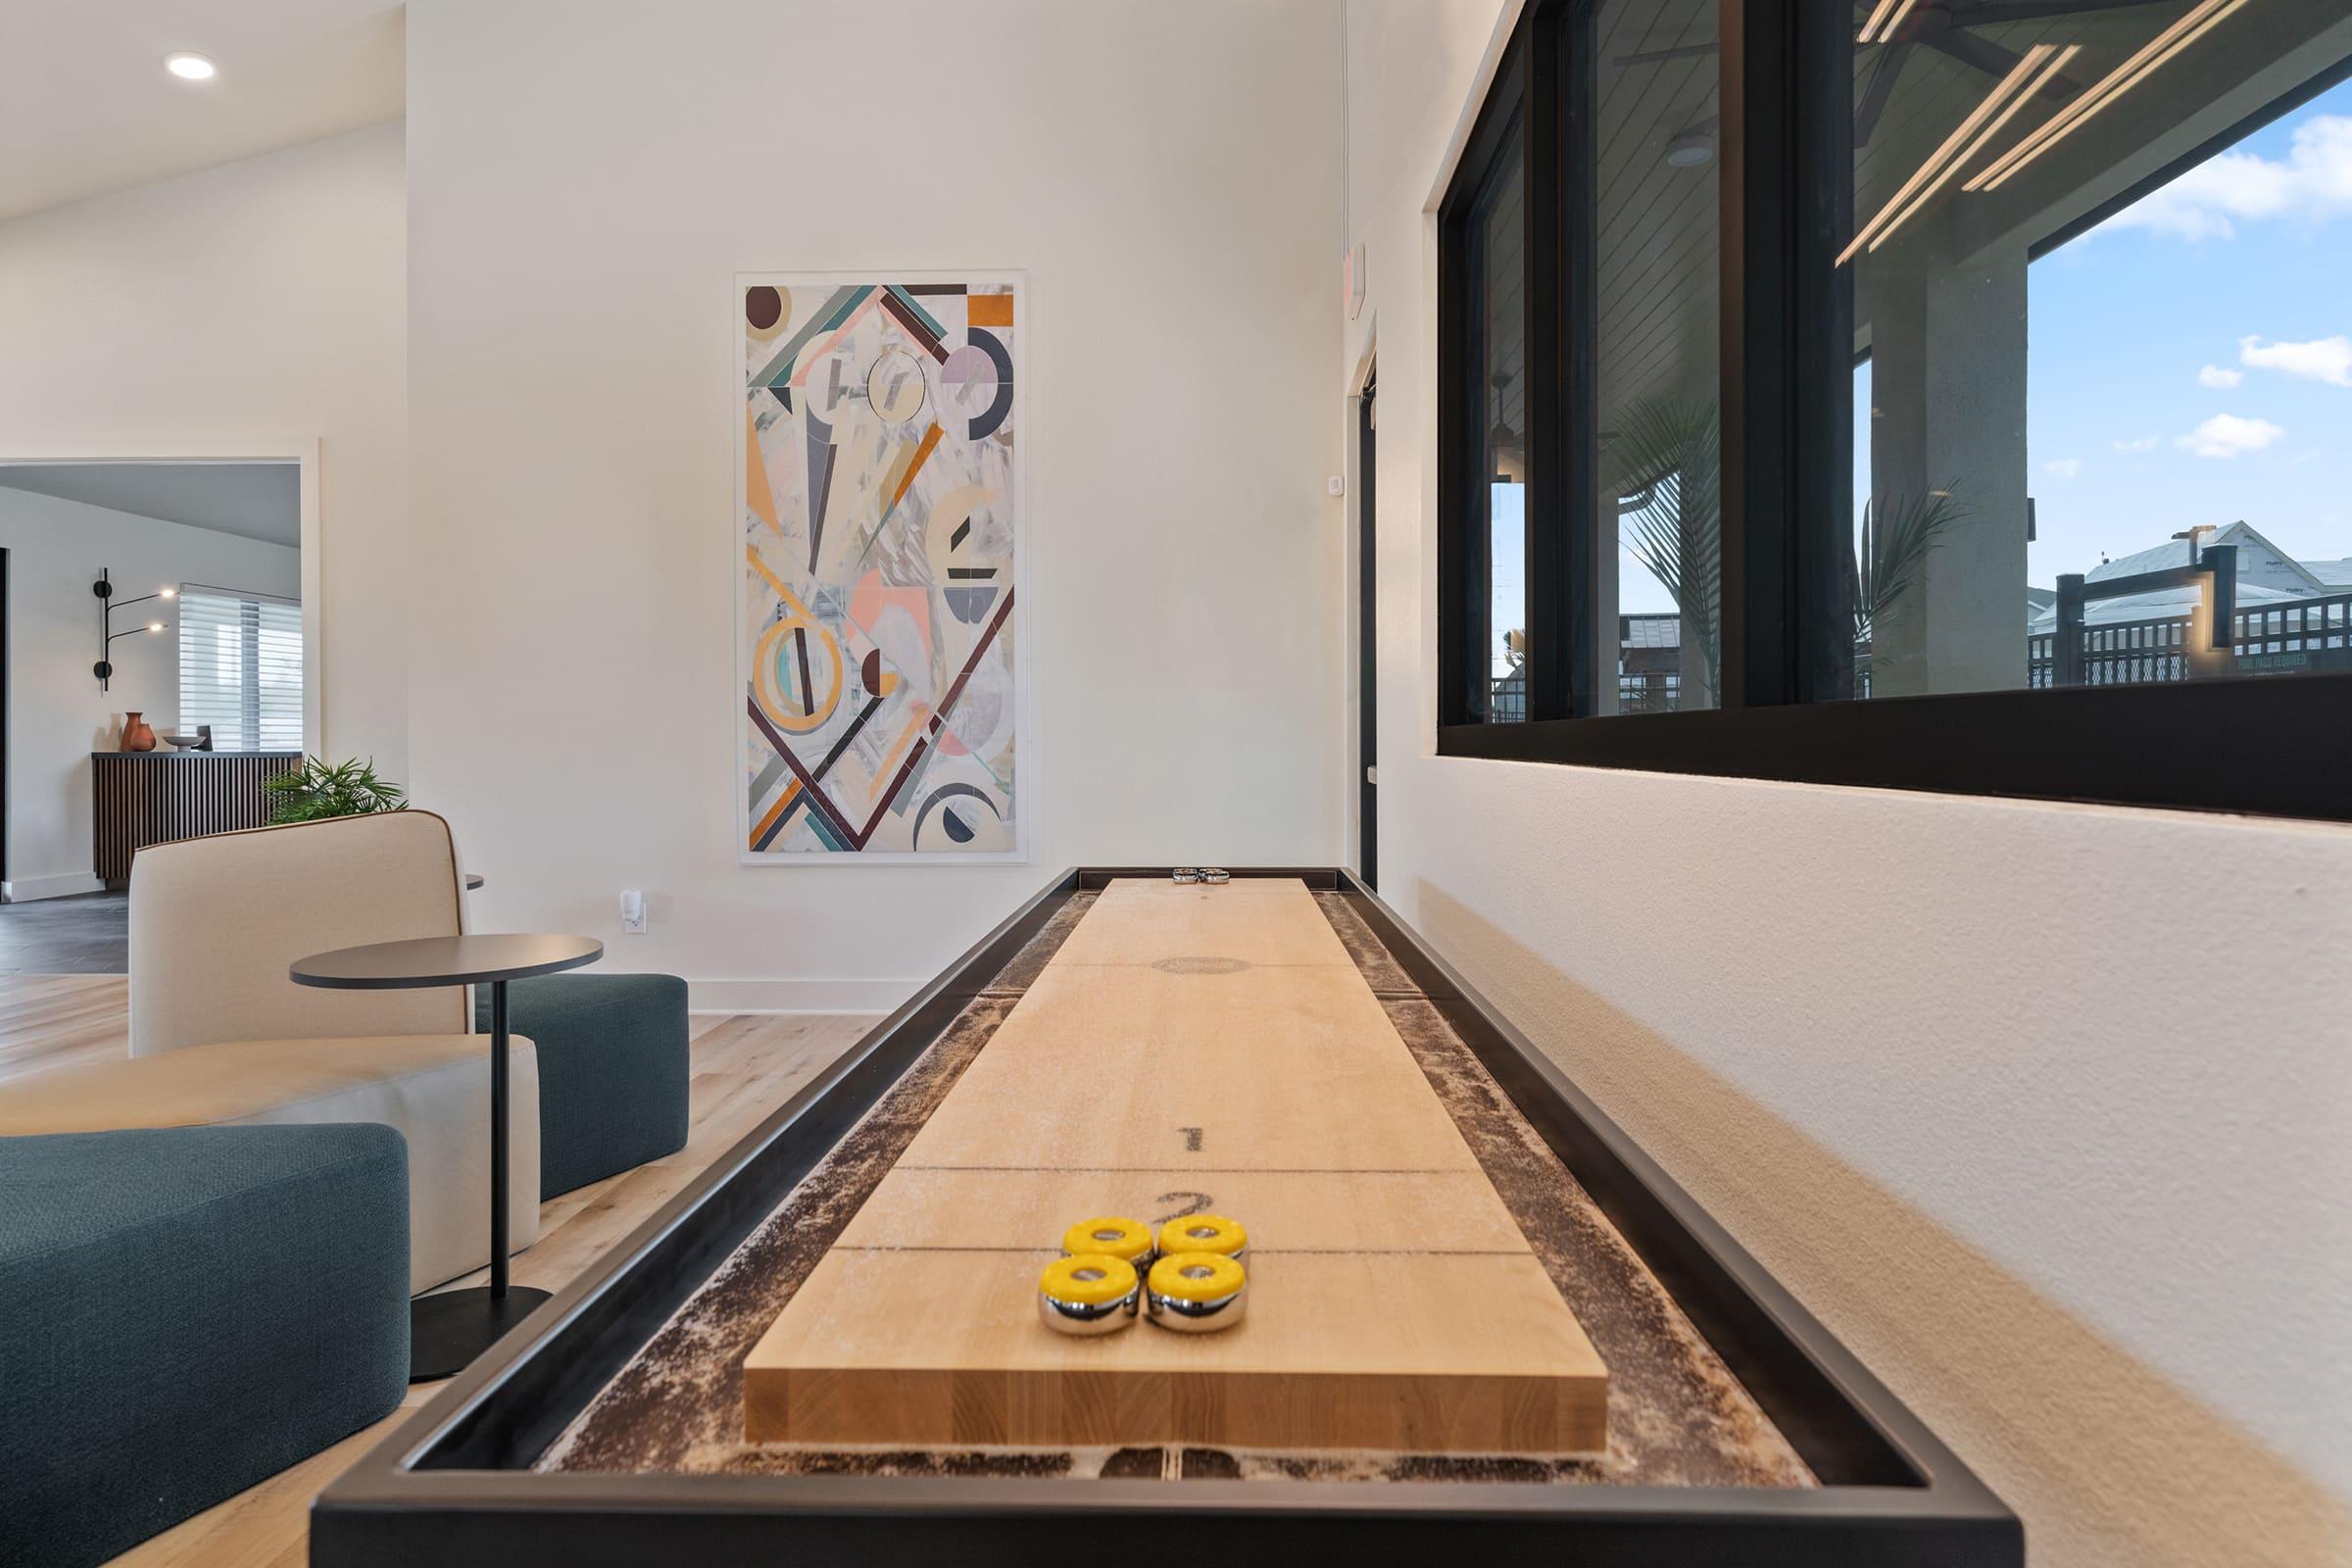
(2214, 375)
(2326, 359)
(2140, 443)
(2225, 435)
(2063, 467)
(2312, 182)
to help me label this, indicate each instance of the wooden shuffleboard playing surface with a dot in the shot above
(1190, 1049)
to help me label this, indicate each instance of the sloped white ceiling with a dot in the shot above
(86, 106)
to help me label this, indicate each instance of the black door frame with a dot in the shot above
(1367, 639)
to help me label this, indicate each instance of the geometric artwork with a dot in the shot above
(880, 509)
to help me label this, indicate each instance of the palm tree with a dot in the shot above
(1897, 533)
(1667, 454)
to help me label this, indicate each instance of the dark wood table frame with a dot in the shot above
(455, 1486)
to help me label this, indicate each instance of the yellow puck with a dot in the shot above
(1129, 1239)
(1196, 1293)
(1092, 1293)
(1203, 1233)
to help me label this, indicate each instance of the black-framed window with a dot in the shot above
(1488, 467)
(1581, 563)
(1835, 314)
(1649, 229)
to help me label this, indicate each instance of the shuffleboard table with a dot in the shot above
(1479, 1318)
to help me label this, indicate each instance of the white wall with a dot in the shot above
(56, 713)
(257, 301)
(2043, 1108)
(583, 183)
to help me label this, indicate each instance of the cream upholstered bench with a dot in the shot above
(434, 1090)
(220, 1036)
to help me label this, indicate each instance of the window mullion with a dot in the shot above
(1760, 384)
(1820, 559)
(1449, 563)
(1556, 621)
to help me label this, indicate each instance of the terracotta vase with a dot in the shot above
(137, 734)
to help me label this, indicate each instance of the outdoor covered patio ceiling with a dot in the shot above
(1926, 67)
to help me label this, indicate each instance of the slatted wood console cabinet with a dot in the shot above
(143, 797)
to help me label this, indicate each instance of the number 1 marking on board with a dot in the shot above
(1192, 1138)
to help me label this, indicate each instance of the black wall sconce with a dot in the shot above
(104, 588)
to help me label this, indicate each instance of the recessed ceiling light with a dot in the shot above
(189, 67)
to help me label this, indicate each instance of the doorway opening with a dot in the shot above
(158, 655)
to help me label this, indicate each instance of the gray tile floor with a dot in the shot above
(88, 934)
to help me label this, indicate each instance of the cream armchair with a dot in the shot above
(220, 1036)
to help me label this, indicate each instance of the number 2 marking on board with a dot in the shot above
(1192, 1138)
(1199, 1205)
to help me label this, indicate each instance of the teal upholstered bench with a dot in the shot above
(612, 1069)
(184, 1311)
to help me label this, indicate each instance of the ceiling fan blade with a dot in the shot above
(1880, 88)
(1995, 61)
(1651, 57)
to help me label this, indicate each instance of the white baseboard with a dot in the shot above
(27, 889)
(798, 995)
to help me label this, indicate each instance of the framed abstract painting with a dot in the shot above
(879, 499)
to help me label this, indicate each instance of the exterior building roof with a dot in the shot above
(1660, 629)
(2259, 562)
(2161, 558)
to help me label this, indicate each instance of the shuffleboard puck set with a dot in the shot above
(1191, 1278)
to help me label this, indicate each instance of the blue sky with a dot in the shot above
(1507, 569)
(2192, 359)
(2190, 362)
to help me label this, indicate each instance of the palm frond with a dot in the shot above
(1667, 462)
(314, 790)
(1897, 533)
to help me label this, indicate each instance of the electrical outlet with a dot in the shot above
(632, 912)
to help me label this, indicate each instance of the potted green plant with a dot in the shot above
(315, 791)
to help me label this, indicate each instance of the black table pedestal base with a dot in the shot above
(446, 1332)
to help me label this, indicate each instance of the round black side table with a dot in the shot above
(448, 1330)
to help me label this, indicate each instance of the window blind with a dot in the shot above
(240, 669)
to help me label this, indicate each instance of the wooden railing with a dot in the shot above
(2302, 634)
(2118, 652)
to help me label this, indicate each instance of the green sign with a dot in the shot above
(2271, 664)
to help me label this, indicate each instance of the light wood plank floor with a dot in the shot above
(744, 1067)
(54, 1020)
